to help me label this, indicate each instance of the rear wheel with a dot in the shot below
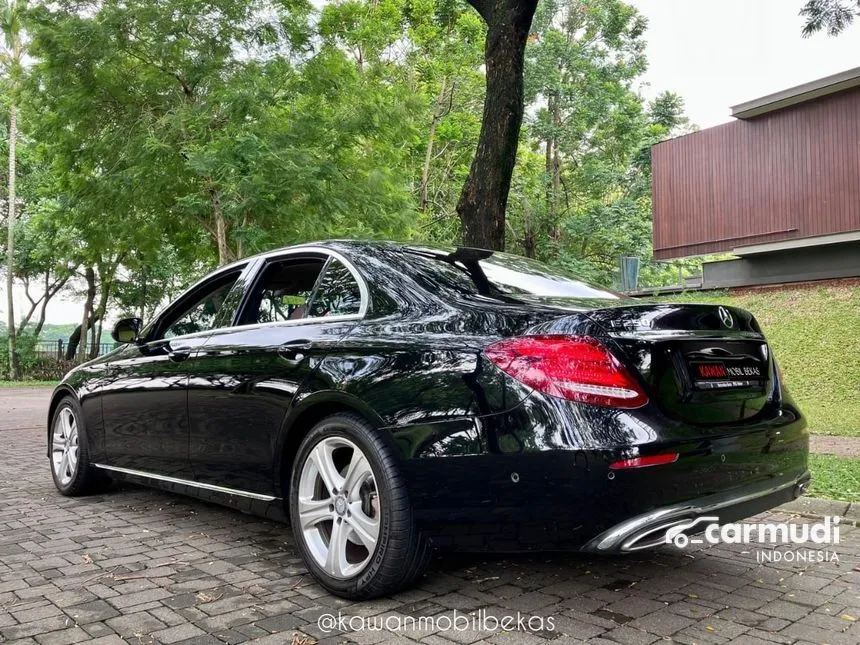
(71, 468)
(350, 511)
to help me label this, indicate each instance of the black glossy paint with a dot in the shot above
(490, 463)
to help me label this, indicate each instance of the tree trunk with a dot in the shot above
(34, 304)
(220, 224)
(75, 342)
(221, 232)
(96, 344)
(553, 162)
(143, 283)
(101, 310)
(14, 372)
(42, 313)
(240, 248)
(86, 320)
(431, 139)
(555, 173)
(484, 198)
(549, 143)
(91, 347)
(51, 290)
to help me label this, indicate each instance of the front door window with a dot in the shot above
(201, 312)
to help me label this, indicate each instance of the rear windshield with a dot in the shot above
(509, 275)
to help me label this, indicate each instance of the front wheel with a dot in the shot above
(70, 458)
(350, 511)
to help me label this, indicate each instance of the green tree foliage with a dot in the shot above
(587, 126)
(214, 128)
(431, 50)
(163, 137)
(44, 260)
(831, 16)
(214, 118)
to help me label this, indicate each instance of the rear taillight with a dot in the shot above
(577, 368)
(644, 462)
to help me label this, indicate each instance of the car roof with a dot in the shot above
(343, 243)
(347, 245)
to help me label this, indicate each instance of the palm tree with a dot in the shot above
(833, 16)
(10, 22)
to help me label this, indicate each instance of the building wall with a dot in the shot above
(811, 263)
(784, 175)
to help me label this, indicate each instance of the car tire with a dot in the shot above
(334, 528)
(71, 468)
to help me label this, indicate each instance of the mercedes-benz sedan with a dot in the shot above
(387, 399)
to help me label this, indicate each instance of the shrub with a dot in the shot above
(34, 365)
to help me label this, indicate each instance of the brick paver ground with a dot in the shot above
(141, 566)
(839, 446)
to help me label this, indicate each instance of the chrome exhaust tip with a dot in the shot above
(652, 537)
(801, 489)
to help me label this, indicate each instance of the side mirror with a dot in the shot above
(127, 330)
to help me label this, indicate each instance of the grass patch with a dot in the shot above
(7, 384)
(835, 477)
(815, 336)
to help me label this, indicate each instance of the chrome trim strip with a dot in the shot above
(614, 539)
(283, 323)
(186, 482)
(697, 334)
(252, 326)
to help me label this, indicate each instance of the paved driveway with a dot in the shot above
(141, 566)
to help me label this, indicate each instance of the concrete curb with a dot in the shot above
(849, 512)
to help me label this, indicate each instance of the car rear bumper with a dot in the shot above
(648, 530)
(539, 483)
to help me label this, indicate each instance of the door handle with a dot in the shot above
(295, 351)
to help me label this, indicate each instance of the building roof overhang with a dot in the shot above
(797, 243)
(800, 94)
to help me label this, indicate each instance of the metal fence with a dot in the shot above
(57, 348)
(645, 277)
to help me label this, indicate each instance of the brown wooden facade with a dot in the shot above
(793, 173)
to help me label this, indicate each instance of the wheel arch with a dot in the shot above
(62, 391)
(300, 420)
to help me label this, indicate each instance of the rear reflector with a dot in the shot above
(577, 368)
(644, 462)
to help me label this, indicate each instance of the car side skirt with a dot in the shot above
(267, 506)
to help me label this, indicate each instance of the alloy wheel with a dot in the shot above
(339, 507)
(64, 447)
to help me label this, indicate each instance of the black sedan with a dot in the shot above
(387, 399)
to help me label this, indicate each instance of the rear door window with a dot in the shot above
(338, 293)
(283, 291)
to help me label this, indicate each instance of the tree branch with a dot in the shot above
(484, 8)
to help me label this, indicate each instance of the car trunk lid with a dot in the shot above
(702, 364)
